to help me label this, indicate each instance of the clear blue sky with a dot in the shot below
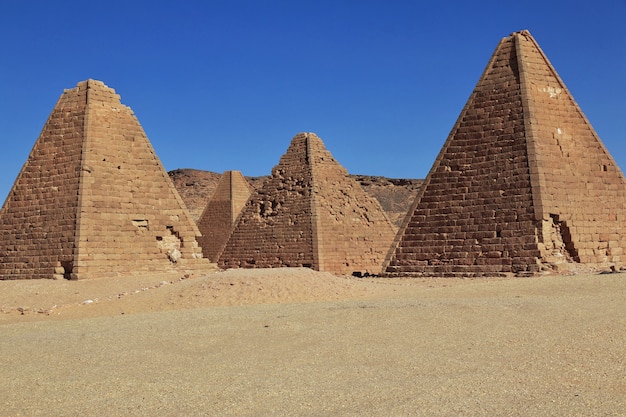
(221, 85)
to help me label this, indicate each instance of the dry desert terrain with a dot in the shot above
(295, 342)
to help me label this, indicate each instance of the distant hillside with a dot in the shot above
(394, 195)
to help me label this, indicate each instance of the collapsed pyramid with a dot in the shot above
(310, 213)
(93, 199)
(523, 182)
(219, 216)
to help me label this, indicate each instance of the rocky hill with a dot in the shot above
(394, 195)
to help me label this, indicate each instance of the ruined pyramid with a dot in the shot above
(93, 199)
(310, 213)
(522, 184)
(219, 216)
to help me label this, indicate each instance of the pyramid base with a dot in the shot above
(540, 269)
(448, 275)
(183, 266)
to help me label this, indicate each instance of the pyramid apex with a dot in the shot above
(231, 172)
(523, 32)
(91, 84)
(95, 83)
(306, 135)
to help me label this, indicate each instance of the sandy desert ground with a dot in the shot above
(295, 342)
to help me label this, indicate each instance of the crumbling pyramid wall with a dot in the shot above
(275, 228)
(93, 199)
(220, 214)
(310, 213)
(514, 186)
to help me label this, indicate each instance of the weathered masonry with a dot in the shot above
(523, 182)
(310, 213)
(93, 199)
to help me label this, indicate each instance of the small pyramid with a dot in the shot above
(219, 216)
(310, 213)
(93, 199)
(522, 184)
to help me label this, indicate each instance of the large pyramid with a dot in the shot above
(310, 213)
(93, 199)
(523, 182)
(221, 211)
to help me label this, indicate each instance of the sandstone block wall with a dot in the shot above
(581, 189)
(475, 213)
(37, 222)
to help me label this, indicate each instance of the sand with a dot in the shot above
(295, 342)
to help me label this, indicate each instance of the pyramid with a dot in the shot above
(219, 216)
(522, 184)
(310, 213)
(93, 199)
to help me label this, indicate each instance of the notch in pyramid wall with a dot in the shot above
(310, 213)
(93, 199)
(522, 184)
(222, 209)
